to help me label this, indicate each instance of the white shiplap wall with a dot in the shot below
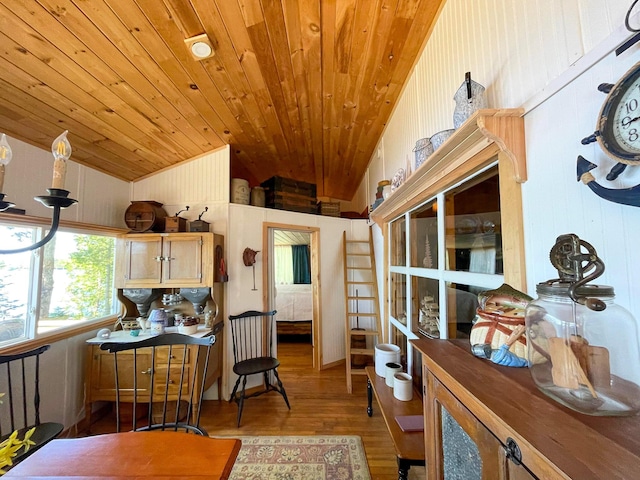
(521, 52)
(102, 199)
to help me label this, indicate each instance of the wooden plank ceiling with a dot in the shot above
(297, 88)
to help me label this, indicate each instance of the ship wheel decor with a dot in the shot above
(618, 134)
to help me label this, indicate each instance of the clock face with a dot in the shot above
(619, 123)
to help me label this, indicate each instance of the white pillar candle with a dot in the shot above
(61, 149)
(1, 177)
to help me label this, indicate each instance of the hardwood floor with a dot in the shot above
(320, 405)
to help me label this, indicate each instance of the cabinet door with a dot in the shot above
(103, 378)
(460, 445)
(142, 260)
(182, 260)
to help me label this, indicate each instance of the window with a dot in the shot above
(67, 282)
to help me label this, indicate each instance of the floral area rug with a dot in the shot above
(328, 457)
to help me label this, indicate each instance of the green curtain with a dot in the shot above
(301, 264)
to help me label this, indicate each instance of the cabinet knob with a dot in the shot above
(513, 451)
(168, 259)
(146, 372)
(159, 258)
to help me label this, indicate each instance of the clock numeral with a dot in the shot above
(626, 121)
(631, 105)
(633, 135)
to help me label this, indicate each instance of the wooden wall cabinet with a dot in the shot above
(166, 260)
(499, 408)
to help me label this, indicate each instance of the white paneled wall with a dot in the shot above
(535, 54)
(102, 199)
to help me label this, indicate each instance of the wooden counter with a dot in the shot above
(554, 441)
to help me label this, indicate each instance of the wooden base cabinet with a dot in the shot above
(487, 421)
(100, 376)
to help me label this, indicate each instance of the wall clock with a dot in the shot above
(618, 134)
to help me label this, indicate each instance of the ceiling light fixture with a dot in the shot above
(200, 47)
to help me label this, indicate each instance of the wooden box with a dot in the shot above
(288, 194)
(329, 209)
(175, 224)
(198, 226)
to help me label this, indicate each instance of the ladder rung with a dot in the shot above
(372, 333)
(358, 254)
(358, 268)
(359, 283)
(357, 241)
(362, 351)
(361, 298)
(358, 371)
(356, 314)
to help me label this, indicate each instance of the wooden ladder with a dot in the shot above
(360, 290)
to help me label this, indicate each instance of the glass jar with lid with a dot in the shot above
(582, 347)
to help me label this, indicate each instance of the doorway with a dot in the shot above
(292, 289)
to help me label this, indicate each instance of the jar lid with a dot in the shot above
(555, 287)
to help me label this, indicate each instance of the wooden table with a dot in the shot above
(409, 445)
(132, 455)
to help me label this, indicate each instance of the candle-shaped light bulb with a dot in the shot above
(61, 149)
(5, 157)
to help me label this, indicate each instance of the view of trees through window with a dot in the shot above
(69, 280)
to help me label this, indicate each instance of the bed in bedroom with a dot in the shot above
(295, 309)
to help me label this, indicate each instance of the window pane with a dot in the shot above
(462, 303)
(14, 282)
(399, 297)
(400, 339)
(398, 242)
(424, 236)
(473, 225)
(77, 280)
(425, 307)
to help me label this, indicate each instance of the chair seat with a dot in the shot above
(43, 433)
(255, 365)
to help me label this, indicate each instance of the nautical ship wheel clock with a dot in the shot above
(618, 134)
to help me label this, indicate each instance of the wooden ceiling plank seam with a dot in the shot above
(229, 63)
(60, 31)
(82, 151)
(292, 23)
(185, 72)
(251, 12)
(82, 100)
(134, 151)
(311, 37)
(264, 55)
(361, 88)
(206, 99)
(277, 32)
(56, 121)
(183, 14)
(172, 38)
(74, 80)
(328, 15)
(161, 89)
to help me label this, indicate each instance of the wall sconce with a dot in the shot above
(200, 47)
(58, 196)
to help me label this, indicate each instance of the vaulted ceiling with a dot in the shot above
(297, 88)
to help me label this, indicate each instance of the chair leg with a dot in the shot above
(241, 401)
(281, 389)
(235, 389)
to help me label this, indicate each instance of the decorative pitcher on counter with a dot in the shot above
(469, 98)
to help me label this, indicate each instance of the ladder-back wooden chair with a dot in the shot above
(20, 408)
(252, 336)
(163, 378)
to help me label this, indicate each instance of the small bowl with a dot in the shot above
(439, 138)
(187, 329)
